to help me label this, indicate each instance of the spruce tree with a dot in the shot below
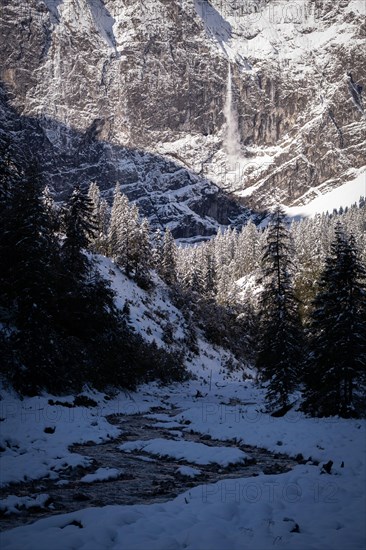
(95, 331)
(247, 253)
(279, 351)
(11, 178)
(76, 317)
(29, 258)
(168, 267)
(80, 230)
(335, 369)
(142, 259)
(51, 210)
(226, 288)
(129, 237)
(100, 215)
(209, 274)
(157, 249)
(113, 235)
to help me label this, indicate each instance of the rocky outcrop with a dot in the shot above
(166, 193)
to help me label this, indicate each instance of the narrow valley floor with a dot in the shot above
(198, 465)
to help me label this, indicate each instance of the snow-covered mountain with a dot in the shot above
(192, 105)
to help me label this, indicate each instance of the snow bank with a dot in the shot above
(188, 471)
(13, 504)
(30, 452)
(198, 453)
(102, 474)
(298, 510)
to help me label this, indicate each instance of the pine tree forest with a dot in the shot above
(287, 297)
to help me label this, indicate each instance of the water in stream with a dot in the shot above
(142, 481)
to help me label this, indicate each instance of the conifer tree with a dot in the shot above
(168, 268)
(80, 230)
(226, 291)
(129, 237)
(143, 254)
(100, 214)
(29, 251)
(79, 283)
(197, 272)
(336, 366)
(247, 252)
(209, 274)
(113, 236)
(185, 267)
(93, 328)
(279, 352)
(11, 178)
(51, 209)
(157, 249)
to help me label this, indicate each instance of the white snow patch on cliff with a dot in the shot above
(215, 25)
(343, 196)
(103, 21)
(52, 5)
(282, 30)
(357, 6)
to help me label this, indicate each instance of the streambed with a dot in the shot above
(144, 478)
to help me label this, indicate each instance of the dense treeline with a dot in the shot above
(228, 266)
(59, 325)
(289, 298)
(301, 291)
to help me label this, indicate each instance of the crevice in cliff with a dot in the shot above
(332, 118)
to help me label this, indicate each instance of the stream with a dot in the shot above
(144, 479)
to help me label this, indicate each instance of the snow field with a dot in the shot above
(342, 196)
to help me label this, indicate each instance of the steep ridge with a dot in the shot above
(168, 194)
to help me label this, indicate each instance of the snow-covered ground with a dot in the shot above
(13, 504)
(31, 453)
(305, 508)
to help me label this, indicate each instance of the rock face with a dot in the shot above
(148, 92)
